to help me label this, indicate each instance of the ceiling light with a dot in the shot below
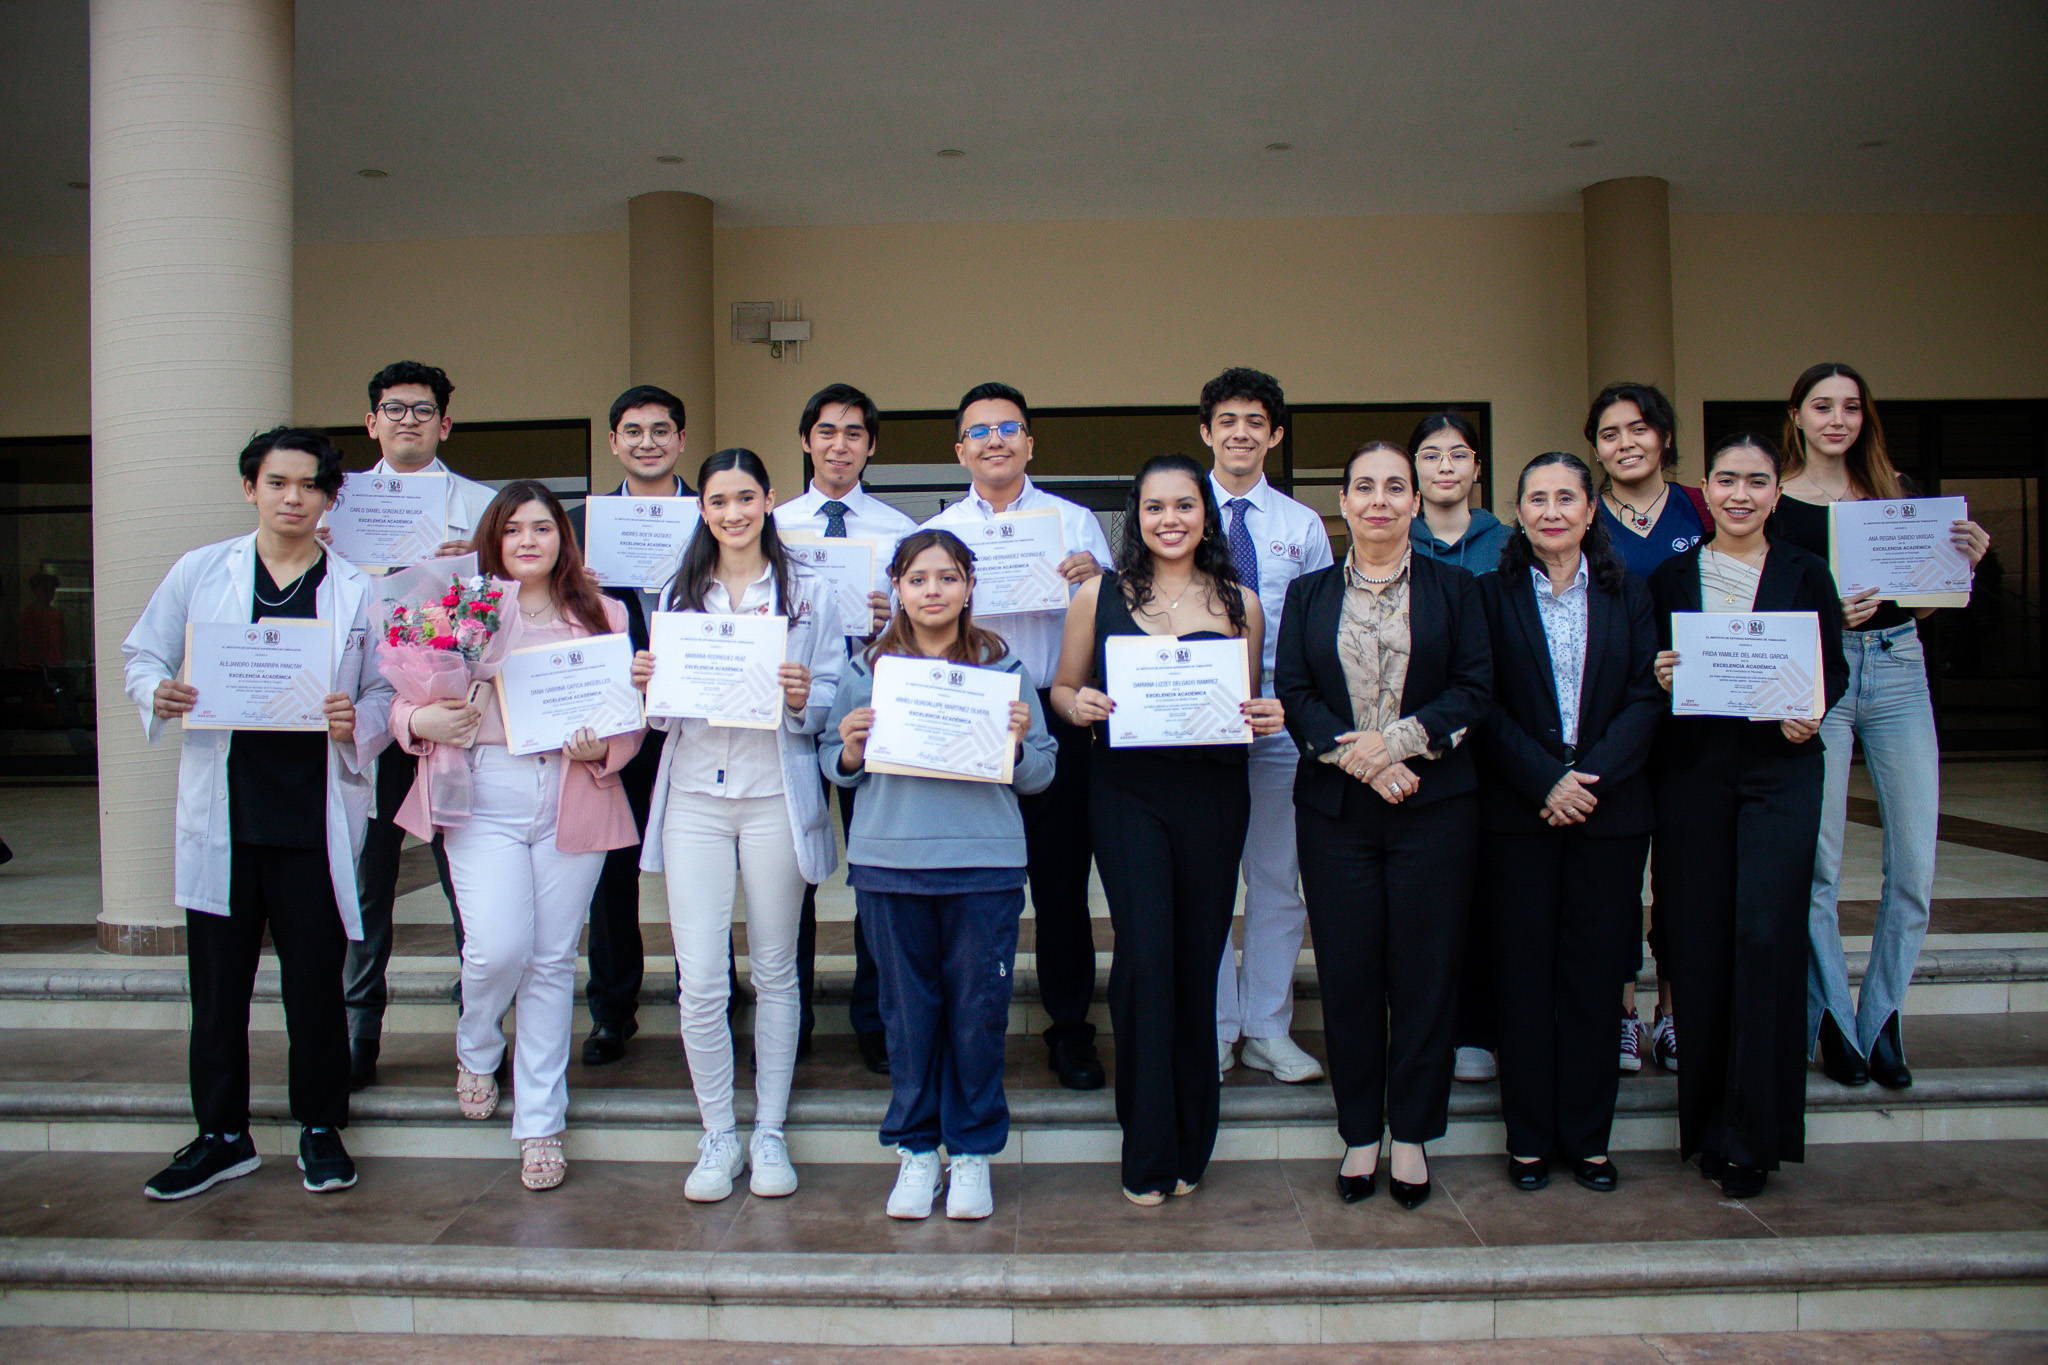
(1869, 144)
(1279, 146)
(669, 160)
(368, 173)
(1583, 143)
(951, 153)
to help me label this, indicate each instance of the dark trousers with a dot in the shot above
(863, 1009)
(944, 965)
(1169, 834)
(1389, 889)
(288, 891)
(1057, 845)
(1733, 875)
(1477, 1023)
(1561, 914)
(377, 877)
(618, 957)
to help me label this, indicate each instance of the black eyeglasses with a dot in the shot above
(981, 431)
(397, 412)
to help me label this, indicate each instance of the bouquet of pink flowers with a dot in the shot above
(442, 632)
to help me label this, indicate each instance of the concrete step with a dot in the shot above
(100, 993)
(839, 1126)
(1987, 1280)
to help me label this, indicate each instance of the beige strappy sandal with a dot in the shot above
(541, 1163)
(476, 1096)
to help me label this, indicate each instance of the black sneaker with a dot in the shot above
(325, 1161)
(203, 1163)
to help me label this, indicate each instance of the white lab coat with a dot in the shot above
(815, 640)
(216, 583)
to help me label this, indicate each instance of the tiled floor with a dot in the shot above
(76, 1347)
(1242, 1206)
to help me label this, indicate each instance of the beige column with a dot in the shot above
(668, 237)
(1628, 282)
(191, 273)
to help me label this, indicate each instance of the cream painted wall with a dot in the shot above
(45, 361)
(1923, 306)
(1341, 310)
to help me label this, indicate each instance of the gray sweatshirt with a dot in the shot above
(928, 822)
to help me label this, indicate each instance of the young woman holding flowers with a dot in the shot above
(528, 855)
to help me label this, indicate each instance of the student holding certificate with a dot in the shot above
(1168, 823)
(1835, 453)
(743, 801)
(1738, 802)
(937, 868)
(269, 823)
(528, 856)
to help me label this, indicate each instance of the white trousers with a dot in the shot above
(523, 904)
(1255, 996)
(707, 843)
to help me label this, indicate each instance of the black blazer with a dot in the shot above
(1450, 679)
(1520, 747)
(1792, 580)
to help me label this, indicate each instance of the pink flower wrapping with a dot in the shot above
(432, 658)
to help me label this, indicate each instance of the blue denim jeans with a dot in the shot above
(1888, 710)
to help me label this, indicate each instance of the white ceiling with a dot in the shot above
(528, 116)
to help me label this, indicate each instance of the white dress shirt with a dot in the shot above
(467, 498)
(867, 518)
(1290, 541)
(728, 760)
(1034, 636)
(1564, 630)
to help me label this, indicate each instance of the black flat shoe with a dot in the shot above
(1598, 1176)
(1839, 1060)
(874, 1051)
(362, 1064)
(1406, 1195)
(1352, 1188)
(1075, 1063)
(1743, 1182)
(1529, 1176)
(607, 1042)
(1888, 1058)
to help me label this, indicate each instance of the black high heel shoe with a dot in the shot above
(1839, 1060)
(1888, 1058)
(1529, 1176)
(1598, 1176)
(1743, 1182)
(1352, 1188)
(1408, 1196)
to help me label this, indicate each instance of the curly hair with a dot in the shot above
(1134, 563)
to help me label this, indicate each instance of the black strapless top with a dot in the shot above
(1113, 617)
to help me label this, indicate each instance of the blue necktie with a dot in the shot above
(1244, 556)
(835, 519)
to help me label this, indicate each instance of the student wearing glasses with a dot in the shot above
(409, 420)
(995, 446)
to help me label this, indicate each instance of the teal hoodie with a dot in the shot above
(1477, 551)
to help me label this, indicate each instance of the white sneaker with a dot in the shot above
(917, 1184)
(719, 1162)
(967, 1189)
(1282, 1057)
(1226, 1057)
(1475, 1064)
(773, 1176)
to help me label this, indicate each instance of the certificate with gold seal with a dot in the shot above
(719, 668)
(938, 718)
(546, 693)
(1762, 665)
(1017, 562)
(271, 674)
(389, 520)
(1170, 691)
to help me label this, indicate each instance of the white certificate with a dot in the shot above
(1761, 666)
(1173, 691)
(848, 564)
(546, 693)
(718, 668)
(272, 675)
(937, 718)
(1017, 562)
(633, 542)
(1902, 548)
(389, 520)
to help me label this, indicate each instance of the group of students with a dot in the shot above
(1461, 750)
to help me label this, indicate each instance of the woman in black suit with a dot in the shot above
(1564, 799)
(1382, 667)
(1738, 804)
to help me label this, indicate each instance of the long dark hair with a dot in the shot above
(972, 644)
(1869, 463)
(1212, 552)
(1656, 409)
(568, 584)
(700, 558)
(1603, 566)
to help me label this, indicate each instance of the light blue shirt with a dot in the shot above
(1564, 629)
